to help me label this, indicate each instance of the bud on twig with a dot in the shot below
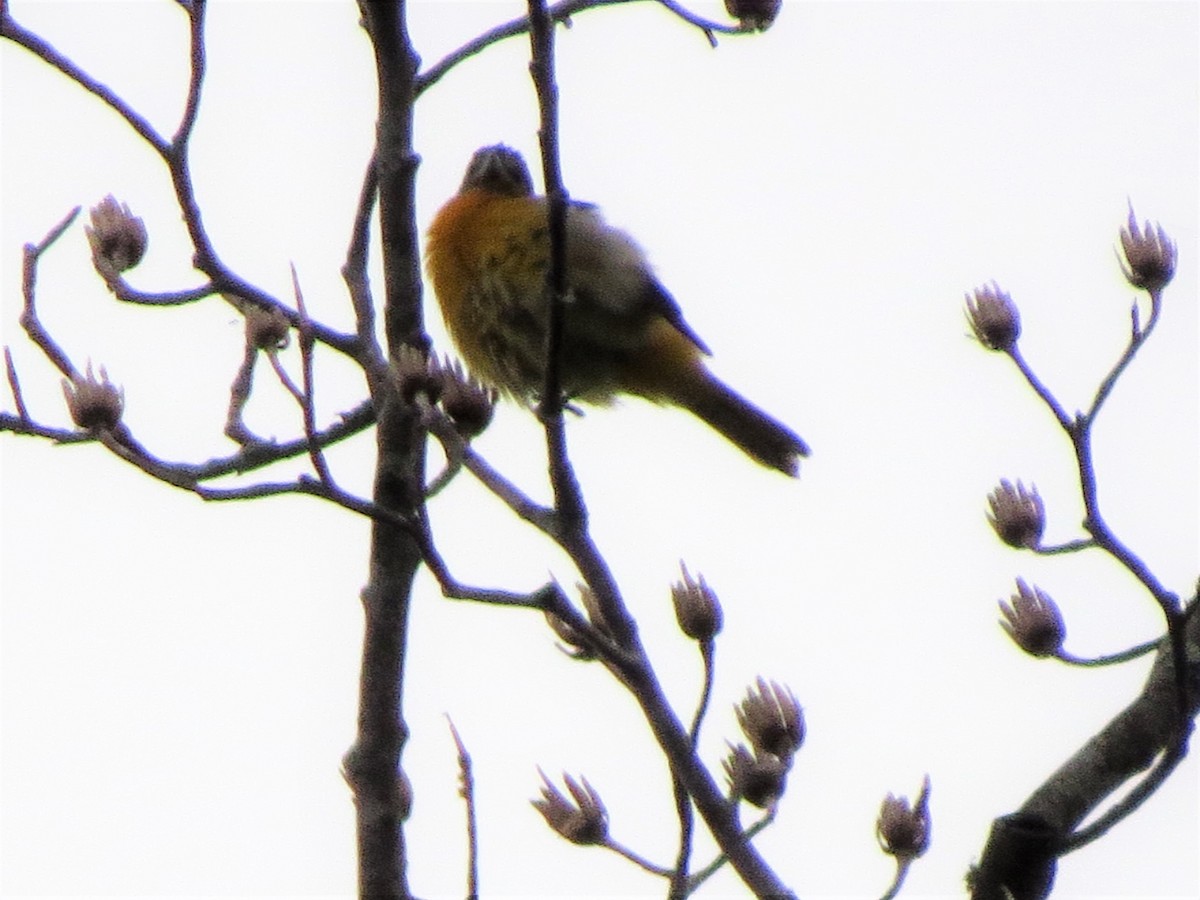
(1018, 515)
(417, 374)
(1033, 621)
(758, 778)
(754, 15)
(576, 647)
(993, 317)
(117, 238)
(696, 607)
(1150, 255)
(581, 820)
(94, 405)
(772, 720)
(903, 831)
(467, 402)
(266, 329)
(592, 606)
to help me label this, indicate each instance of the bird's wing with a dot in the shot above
(616, 294)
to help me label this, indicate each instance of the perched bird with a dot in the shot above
(488, 253)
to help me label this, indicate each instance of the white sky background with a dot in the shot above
(179, 679)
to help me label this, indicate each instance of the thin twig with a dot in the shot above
(1134, 652)
(713, 867)
(191, 106)
(466, 790)
(683, 804)
(29, 317)
(354, 273)
(44, 51)
(638, 860)
(560, 13)
(1138, 336)
(1066, 547)
(541, 517)
(14, 385)
(306, 398)
(1040, 389)
(1131, 802)
(441, 426)
(903, 864)
(17, 425)
(123, 292)
(239, 396)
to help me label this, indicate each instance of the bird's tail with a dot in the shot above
(760, 436)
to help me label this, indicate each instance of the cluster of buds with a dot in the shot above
(1033, 621)
(117, 238)
(993, 317)
(773, 722)
(94, 405)
(1150, 255)
(582, 819)
(903, 830)
(1017, 515)
(467, 403)
(697, 608)
(753, 15)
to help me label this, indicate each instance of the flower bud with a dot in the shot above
(1150, 255)
(94, 405)
(1018, 515)
(754, 15)
(581, 820)
(758, 778)
(1033, 621)
(266, 329)
(771, 719)
(117, 238)
(903, 830)
(696, 607)
(993, 317)
(576, 647)
(592, 607)
(467, 402)
(417, 374)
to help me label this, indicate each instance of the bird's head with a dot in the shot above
(498, 170)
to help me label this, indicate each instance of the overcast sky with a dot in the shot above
(179, 679)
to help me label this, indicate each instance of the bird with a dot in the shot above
(487, 256)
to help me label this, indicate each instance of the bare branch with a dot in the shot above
(29, 317)
(44, 51)
(354, 273)
(306, 397)
(1138, 336)
(560, 13)
(466, 790)
(122, 291)
(568, 499)
(14, 385)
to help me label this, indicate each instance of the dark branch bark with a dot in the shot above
(373, 764)
(1022, 851)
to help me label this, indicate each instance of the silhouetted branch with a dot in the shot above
(466, 790)
(45, 52)
(560, 13)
